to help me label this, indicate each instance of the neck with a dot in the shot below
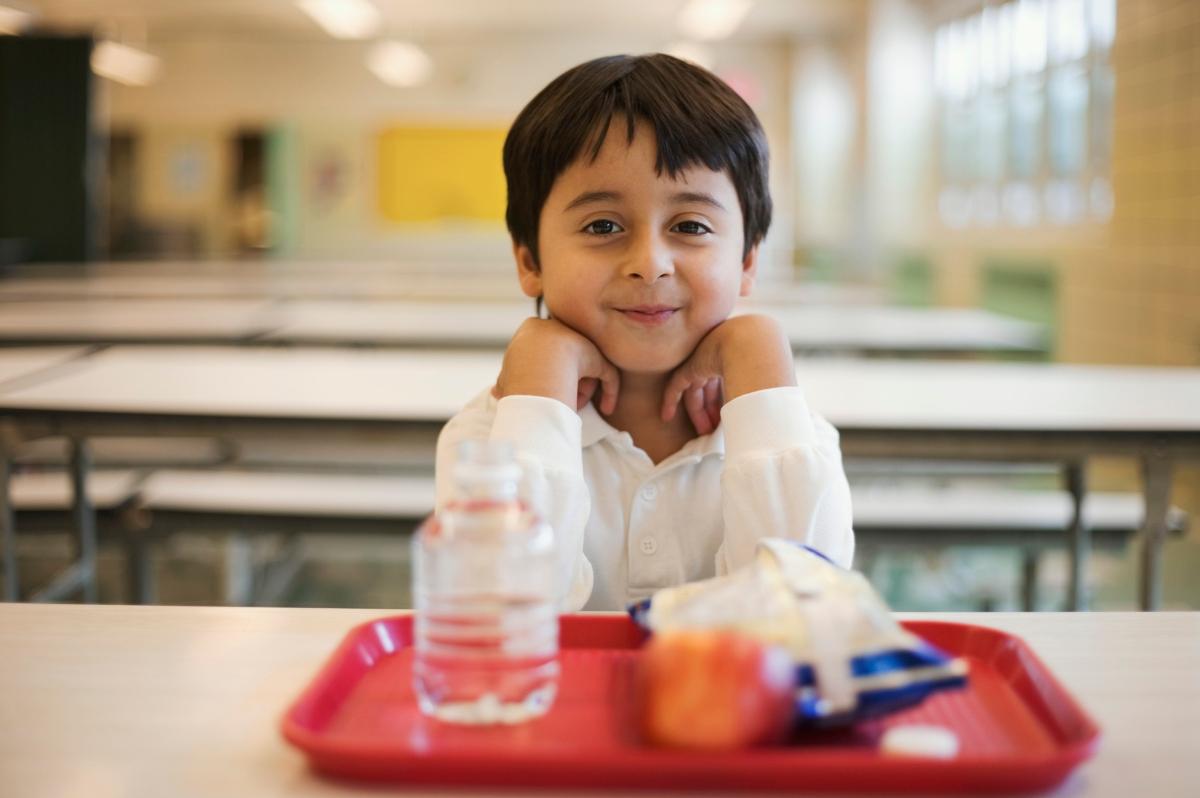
(639, 412)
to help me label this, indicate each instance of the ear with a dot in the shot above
(749, 271)
(528, 273)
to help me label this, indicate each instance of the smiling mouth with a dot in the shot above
(649, 315)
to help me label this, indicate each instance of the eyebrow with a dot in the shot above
(697, 196)
(592, 197)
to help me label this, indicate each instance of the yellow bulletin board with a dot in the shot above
(428, 174)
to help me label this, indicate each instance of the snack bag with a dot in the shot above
(853, 660)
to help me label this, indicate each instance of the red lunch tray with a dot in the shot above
(1018, 729)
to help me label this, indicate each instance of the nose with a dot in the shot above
(648, 258)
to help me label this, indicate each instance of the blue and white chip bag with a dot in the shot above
(853, 660)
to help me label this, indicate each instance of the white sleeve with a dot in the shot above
(782, 477)
(546, 434)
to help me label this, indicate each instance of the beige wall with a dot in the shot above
(184, 183)
(323, 94)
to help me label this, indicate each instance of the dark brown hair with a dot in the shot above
(697, 119)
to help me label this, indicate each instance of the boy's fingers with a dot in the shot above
(712, 401)
(587, 389)
(610, 385)
(693, 400)
(673, 393)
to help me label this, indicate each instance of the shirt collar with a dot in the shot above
(596, 429)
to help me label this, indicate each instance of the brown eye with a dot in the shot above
(692, 228)
(602, 227)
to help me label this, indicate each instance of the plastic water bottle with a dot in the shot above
(486, 626)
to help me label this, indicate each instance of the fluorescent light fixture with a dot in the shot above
(124, 64)
(698, 54)
(709, 20)
(344, 19)
(400, 63)
(13, 21)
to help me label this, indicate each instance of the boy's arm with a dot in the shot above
(783, 474)
(546, 435)
(742, 355)
(547, 358)
(782, 477)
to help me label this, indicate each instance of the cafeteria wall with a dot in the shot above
(851, 115)
(324, 113)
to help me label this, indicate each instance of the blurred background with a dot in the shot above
(1034, 162)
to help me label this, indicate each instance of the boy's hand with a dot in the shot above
(740, 355)
(547, 358)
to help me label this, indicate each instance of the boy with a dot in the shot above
(661, 439)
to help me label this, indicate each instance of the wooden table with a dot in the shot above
(174, 701)
(907, 409)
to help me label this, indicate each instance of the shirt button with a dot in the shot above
(649, 545)
(649, 493)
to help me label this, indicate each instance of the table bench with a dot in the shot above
(147, 507)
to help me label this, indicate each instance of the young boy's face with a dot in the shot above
(642, 265)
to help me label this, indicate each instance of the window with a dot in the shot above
(1025, 104)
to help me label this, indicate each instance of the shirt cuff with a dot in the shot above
(767, 421)
(543, 428)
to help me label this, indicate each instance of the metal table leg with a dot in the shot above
(8, 530)
(139, 554)
(1080, 537)
(139, 565)
(1029, 580)
(85, 516)
(80, 576)
(1156, 487)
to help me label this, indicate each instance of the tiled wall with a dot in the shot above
(1151, 270)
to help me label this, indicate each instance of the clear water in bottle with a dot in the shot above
(486, 626)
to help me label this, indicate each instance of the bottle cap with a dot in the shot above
(487, 466)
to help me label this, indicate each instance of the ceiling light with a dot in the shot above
(13, 21)
(124, 64)
(708, 20)
(344, 19)
(400, 63)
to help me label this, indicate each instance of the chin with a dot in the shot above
(643, 360)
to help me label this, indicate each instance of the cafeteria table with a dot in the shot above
(163, 321)
(187, 701)
(1060, 414)
(16, 364)
(824, 329)
(411, 323)
(447, 279)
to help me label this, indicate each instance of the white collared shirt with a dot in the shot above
(626, 527)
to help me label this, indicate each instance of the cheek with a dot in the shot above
(715, 290)
(571, 294)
